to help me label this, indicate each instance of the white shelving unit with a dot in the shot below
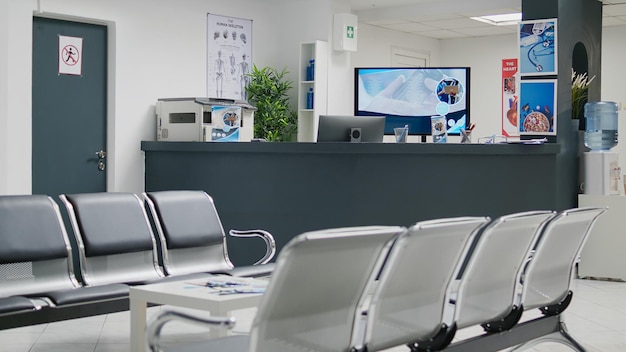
(308, 118)
(603, 253)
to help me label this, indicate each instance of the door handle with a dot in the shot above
(101, 154)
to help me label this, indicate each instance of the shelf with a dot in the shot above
(308, 118)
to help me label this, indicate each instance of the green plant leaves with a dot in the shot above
(268, 92)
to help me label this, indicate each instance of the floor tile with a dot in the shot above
(596, 318)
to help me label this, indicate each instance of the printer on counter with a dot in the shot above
(204, 120)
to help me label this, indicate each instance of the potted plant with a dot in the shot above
(274, 120)
(580, 93)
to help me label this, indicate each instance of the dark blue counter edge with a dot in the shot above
(352, 148)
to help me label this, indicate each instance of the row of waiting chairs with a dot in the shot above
(121, 239)
(374, 288)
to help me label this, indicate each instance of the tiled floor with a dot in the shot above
(597, 318)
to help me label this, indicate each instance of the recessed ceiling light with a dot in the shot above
(507, 19)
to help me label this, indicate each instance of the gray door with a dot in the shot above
(69, 111)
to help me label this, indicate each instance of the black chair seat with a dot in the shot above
(88, 294)
(15, 304)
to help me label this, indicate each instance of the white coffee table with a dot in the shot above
(189, 294)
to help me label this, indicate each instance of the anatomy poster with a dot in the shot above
(538, 47)
(229, 57)
(510, 118)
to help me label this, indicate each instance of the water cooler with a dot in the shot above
(601, 166)
(602, 173)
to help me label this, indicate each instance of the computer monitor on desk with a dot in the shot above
(346, 128)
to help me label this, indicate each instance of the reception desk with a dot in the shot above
(290, 188)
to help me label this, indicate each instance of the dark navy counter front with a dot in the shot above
(290, 188)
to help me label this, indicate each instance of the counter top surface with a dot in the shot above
(351, 148)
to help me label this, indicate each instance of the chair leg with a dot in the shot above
(439, 342)
(561, 336)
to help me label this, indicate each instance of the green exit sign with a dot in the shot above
(350, 32)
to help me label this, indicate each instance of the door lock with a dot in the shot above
(101, 154)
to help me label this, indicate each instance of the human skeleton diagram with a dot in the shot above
(244, 79)
(219, 74)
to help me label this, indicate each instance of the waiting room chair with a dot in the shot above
(36, 270)
(490, 289)
(192, 238)
(547, 279)
(410, 300)
(312, 298)
(114, 236)
(545, 284)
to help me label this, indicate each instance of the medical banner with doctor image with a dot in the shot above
(510, 118)
(537, 107)
(227, 120)
(229, 57)
(538, 48)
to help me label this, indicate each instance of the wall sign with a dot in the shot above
(229, 57)
(510, 94)
(70, 55)
(537, 107)
(538, 47)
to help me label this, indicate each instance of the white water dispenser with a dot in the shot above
(602, 171)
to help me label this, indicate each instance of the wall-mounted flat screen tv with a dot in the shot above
(410, 96)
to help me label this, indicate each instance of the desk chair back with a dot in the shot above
(489, 288)
(320, 278)
(413, 290)
(115, 240)
(548, 276)
(34, 251)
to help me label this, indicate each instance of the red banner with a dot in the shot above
(510, 88)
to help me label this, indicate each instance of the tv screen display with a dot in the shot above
(340, 128)
(410, 96)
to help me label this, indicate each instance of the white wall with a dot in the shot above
(484, 56)
(15, 90)
(374, 50)
(613, 75)
(158, 50)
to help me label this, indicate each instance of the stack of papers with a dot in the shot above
(528, 141)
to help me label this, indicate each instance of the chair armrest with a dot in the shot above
(270, 244)
(153, 331)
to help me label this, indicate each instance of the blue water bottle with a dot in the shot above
(600, 125)
(309, 99)
(311, 70)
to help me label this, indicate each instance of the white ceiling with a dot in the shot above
(444, 19)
